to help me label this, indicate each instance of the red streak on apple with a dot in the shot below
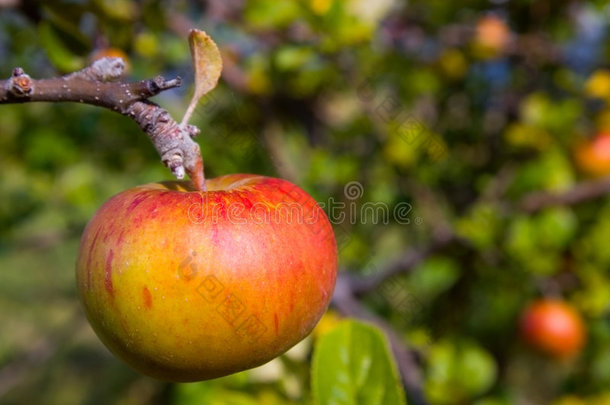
(238, 274)
(147, 298)
(90, 256)
(247, 203)
(120, 238)
(108, 274)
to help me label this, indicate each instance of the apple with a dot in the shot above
(492, 35)
(188, 285)
(553, 327)
(593, 157)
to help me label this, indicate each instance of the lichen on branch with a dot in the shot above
(102, 84)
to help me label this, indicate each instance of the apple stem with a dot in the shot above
(197, 175)
(100, 84)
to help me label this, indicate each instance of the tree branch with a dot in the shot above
(99, 85)
(588, 190)
(581, 192)
(360, 285)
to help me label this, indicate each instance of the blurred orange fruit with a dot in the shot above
(593, 157)
(553, 327)
(491, 36)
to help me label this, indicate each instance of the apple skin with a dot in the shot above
(553, 327)
(190, 285)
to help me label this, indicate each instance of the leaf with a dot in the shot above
(207, 64)
(458, 372)
(352, 365)
(57, 50)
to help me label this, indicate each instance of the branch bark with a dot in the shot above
(581, 192)
(100, 84)
(361, 285)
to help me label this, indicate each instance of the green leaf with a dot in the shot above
(352, 365)
(557, 227)
(290, 58)
(269, 14)
(433, 277)
(57, 51)
(458, 371)
(480, 225)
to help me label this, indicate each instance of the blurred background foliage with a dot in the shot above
(458, 109)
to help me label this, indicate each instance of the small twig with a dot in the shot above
(346, 303)
(404, 263)
(432, 208)
(497, 187)
(581, 192)
(99, 85)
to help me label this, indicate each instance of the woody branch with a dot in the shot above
(100, 84)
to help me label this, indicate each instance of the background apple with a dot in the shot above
(187, 285)
(593, 157)
(554, 327)
(492, 35)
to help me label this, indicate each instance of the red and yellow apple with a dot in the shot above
(553, 327)
(189, 285)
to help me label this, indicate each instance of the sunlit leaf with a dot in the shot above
(207, 64)
(352, 365)
(458, 371)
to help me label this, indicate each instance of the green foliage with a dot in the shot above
(408, 99)
(536, 242)
(459, 371)
(353, 365)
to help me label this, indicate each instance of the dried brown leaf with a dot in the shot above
(207, 64)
